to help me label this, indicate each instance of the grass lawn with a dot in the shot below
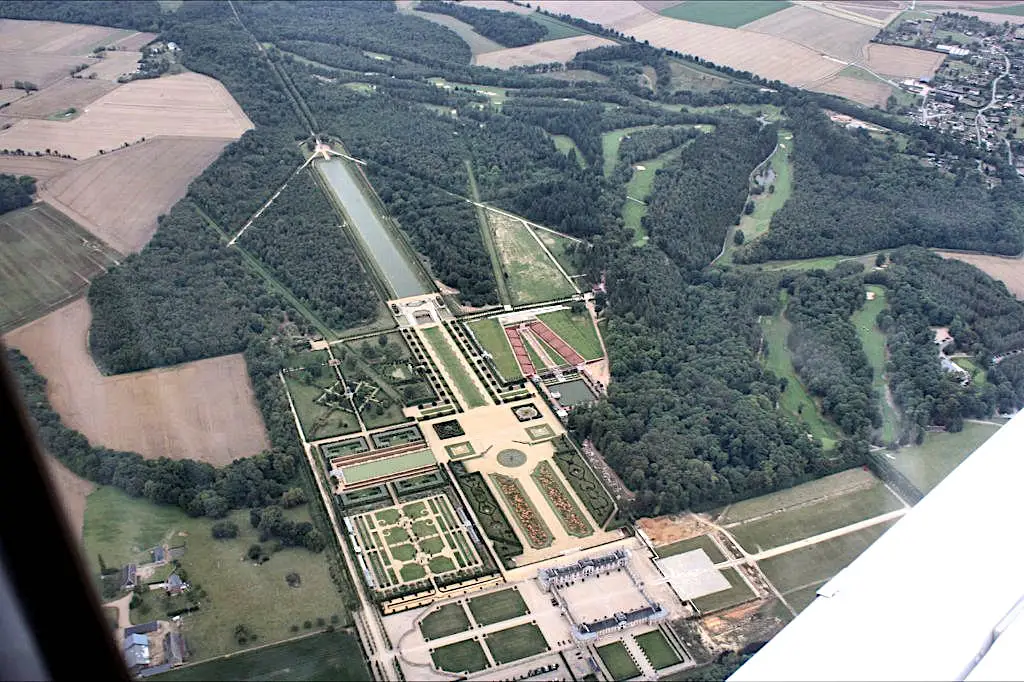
(639, 187)
(616, 658)
(561, 248)
(576, 329)
(729, 13)
(411, 572)
(556, 29)
(512, 644)
(927, 464)
(873, 340)
(320, 421)
(977, 373)
(447, 620)
(834, 484)
(327, 656)
(766, 204)
(802, 597)
(490, 335)
(464, 384)
(465, 656)
(817, 563)
(700, 542)
(794, 401)
(565, 144)
(823, 263)
(610, 142)
(498, 606)
(737, 593)
(811, 519)
(239, 592)
(657, 649)
(532, 275)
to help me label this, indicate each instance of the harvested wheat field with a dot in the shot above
(186, 105)
(561, 50)
(901, 62)
(51, 37)
(59, 97)
(71, 492)
(118, 196)
(861, 91)
(39, 167)
(40, 69)
(1009, 271)
(499, 5)
(9, 94)
(202, 410)
(113, 66)
(135, 42)
(621, 15)
(826, 33)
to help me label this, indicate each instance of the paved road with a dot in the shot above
(992, 101)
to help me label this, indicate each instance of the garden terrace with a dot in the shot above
(525, 514)
(493, 521)
(584, 481)
(435, 378)
(380, 471)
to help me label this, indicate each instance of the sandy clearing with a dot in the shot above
(202, 410)
(114, 65)
(39, 167)
(186, 105)
(664, 530)
(55, 38)
(901, 62)
(864, 92)
(118, 196)
(819, 31)
(1009, 271)
(561, 50)
(71, 492)
(65, 93)
(41, 69)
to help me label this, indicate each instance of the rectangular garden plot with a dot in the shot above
(523, 511)
(466, 656)
(448, 620)
(616, 658)
(584, 481)
(565, 508)
(515, 643)
(657, 649)
(498, 606)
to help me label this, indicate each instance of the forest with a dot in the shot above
(15, 191)
(505, 28)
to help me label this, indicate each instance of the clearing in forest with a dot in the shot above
(203, 410)
(638, 189)
(610, 142)
(531, 274)
(927, 464)
(46, 260)
(873, 340)
(562, 50)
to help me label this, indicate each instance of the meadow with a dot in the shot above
(927, 464)
(577, 330)
(531, 275)
(873, 340)
(489, 334)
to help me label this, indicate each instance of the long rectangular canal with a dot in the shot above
(381, 244)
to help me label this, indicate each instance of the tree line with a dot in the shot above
(16, 191)
(505, 28)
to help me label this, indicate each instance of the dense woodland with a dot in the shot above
(506, 28)
(15, 191)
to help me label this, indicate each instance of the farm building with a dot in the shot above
(136, 651)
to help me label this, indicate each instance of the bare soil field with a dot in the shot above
(830, 34)
(71, 492)
(135, 41)
(664, 530)
(659, 5)
(540, 53)
(902, 62)
(41, 168)
(618, 14)
(9, 94)
(201, 410)
(114, 65)
(186, 105)
(864, 92)
(1009, 271)
(118, 196)
(62, 95)
(51, 37)
(41, 69)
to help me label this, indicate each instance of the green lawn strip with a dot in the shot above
(515, 643)
(767, 203)
(565, 508)
(446, 512)
(927, 464)
(657, 649)
(639, 187)
(873, 340)
(448, 620)
(813, 519)
(532, 274)
(471, 396)
(610, 142)
(364, 535)
(378, 569)
(495, 607)
(319, 658)
(821, 561)
(576, 329)
(488, 238)
(357, 473)
(489, 334)
(811, 491)
(700, 542)
(556, 29)
(728, 13)
(465, 656)
(566, 144)
(794, 401)
(737, 593)
(617, 660)
(238, 592)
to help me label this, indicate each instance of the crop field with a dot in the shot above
(703, 542)
(320, 403)
(545, 52)
(532, 275)
(556, 30)
(617, 660)
(768, 202)
(873, 340)
(813, 518)
(46, 261)
(577, 330)
(122, 528)
(455, 367)
(448, 620)
(186, 105)
(1010, 271)
(465, 656)
(42, 168)
(489, 334)
(861, 90)
(62, 95)
(817, 563)
(512, 644)
(657, 649)
(49, 37)
(795, 400)
(319, 658)
(203, 410)
(737, 593)
(113, 66)
(72, 492)
(832, 35)
(119, 196)
(495, 607)
(729, 13)
(902, 62)
(927, 464)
